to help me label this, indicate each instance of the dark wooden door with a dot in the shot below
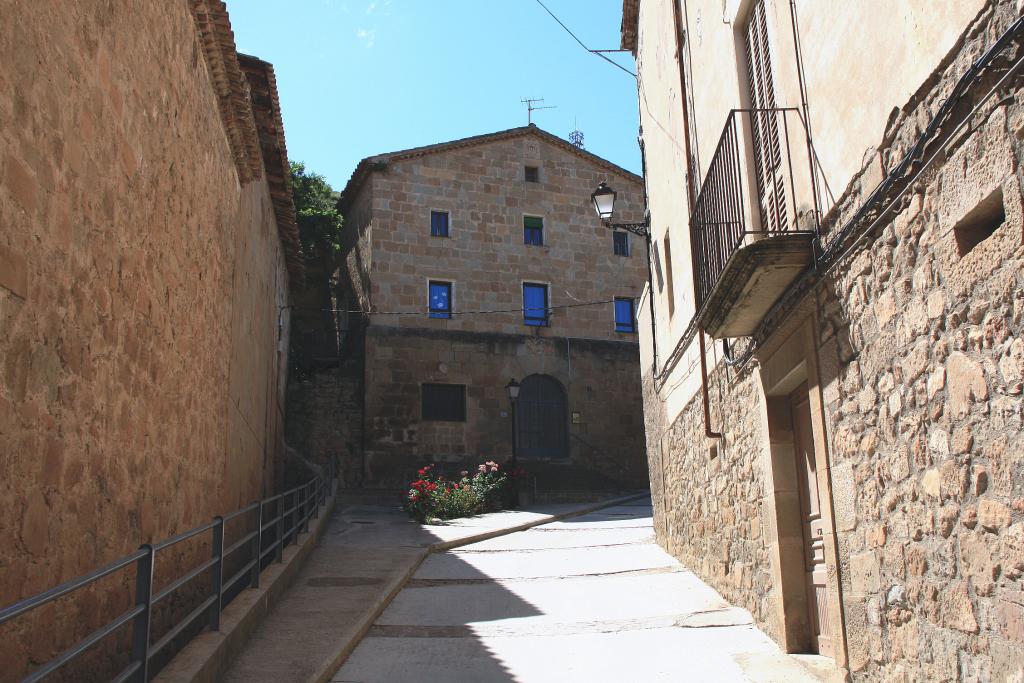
(812, 523)
(541, 425)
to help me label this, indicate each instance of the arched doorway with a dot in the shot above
(541, 425)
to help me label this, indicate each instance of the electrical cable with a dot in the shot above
(593, 52)
(478, 312)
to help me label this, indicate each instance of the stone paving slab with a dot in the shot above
(521, 608)
(741, 654)
(364, 557)
(545, 563)
(671, 595)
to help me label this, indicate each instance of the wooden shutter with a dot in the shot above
(771, 187)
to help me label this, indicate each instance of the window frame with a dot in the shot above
(540, 229)
(443, 417)
(440, 314)
(447, 225)
(619, 326)
(526, 173)
(536, 321)
(625, 241)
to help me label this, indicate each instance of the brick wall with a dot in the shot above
(140, 287)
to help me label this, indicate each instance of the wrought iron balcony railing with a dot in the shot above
(761, 184)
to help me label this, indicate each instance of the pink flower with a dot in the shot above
(482, 468)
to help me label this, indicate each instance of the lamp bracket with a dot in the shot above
(642, 229)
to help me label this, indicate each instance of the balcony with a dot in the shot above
(755, 220)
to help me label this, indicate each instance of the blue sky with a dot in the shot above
(361, 77)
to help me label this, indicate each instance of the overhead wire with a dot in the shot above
(576, 38)
(454, 313)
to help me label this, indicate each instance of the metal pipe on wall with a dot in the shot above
(691, 200)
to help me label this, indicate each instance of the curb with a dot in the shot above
(206, 657)
(325, 672)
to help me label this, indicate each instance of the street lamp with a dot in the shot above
(604, 204)
(604, 201)
(512, 388)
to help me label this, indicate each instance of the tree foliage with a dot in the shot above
(317, 213)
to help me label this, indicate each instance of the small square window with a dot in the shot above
(620, 243)
(535, 304)
(532, 174)
(440, 299)
(625, 315)
(533, 231)
(439, 224)
(443, 402)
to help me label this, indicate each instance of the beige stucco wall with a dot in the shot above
(849, 103)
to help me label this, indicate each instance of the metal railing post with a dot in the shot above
(293, 523)
(254, 580)
(279, 555)
(217, 573)
(306, 500)
(140, 625)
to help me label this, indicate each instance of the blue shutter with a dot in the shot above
(535, 305)
(624, 316)
(440, 300)
(533, 230)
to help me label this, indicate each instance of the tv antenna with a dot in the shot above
(576, 136)
(530, 107)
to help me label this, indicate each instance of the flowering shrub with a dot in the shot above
(434, 496)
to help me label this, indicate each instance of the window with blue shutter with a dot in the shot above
(440, 299)
(625, 315)
(439, 223)
(533, 231)
(535, 304)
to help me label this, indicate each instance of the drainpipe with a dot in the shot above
(691, 199)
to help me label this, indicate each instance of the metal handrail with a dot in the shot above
(314, 493)
(763, 151)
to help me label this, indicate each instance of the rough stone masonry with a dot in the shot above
(918, 335)
(144, 261)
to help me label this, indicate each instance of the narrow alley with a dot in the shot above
(590, 598)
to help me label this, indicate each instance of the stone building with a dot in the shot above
(832, 374)
(444, 247)
(147, 247)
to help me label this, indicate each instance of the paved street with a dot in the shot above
(591, 598)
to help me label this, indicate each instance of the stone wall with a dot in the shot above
(140, 292)
(925, 413)
(482, 187)
(390, 256)
(606, 443)
(916, 341)
(325, 418)
(710, 498)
